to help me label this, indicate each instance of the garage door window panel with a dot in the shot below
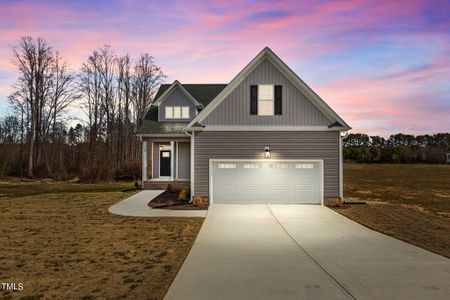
(304, 166)
(227, 166)
(251, 166)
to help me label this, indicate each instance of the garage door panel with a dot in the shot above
(266, 182)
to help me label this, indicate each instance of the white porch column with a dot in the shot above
(341, 172)
(176, 156)
(192, 164)
(144, 162)
(171, 160)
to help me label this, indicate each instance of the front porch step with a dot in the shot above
(163, 184)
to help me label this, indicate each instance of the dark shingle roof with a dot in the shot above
(203, 93)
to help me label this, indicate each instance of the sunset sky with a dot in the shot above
(384, 66)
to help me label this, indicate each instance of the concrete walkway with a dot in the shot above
(137, 206)
(303, 252)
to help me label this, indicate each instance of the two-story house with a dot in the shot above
(265, 137)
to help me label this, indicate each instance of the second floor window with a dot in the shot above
(177, 112)
(265, 100)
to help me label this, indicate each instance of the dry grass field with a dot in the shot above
(408, 202)
(60, 241)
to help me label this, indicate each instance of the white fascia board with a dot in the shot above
(161, 135)
(269, 128)
(229, 88)
(165, 94)
(285, 70)
(191, 129)
(175, 84)
(305, 89)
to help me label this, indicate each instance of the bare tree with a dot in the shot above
(91, 96)
(124, 106)
(33, 59)
(147, 77)
(115, 92)
(62, 93)
(106, 69)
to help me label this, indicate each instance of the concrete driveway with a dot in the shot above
(303, 252)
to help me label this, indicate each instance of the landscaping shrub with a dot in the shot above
(184, 194)
(198, 200)
(338, 202)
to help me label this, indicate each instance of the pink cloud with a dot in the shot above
(211, 42)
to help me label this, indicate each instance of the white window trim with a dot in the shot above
(266, 100)
(167, 110)
(176, 112)
(173, 109)
(185, 109)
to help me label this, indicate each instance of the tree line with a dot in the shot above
(112, 91)
(398, 148)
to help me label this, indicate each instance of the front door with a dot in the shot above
(164, 163)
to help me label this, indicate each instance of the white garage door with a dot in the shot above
(265, 181)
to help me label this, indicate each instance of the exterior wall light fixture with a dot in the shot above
(267, 152)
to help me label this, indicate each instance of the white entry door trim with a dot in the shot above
(214, 160)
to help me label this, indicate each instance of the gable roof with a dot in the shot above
(268, 54)
(172, 87)
(202, 93)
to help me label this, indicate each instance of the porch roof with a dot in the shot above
(149, 126)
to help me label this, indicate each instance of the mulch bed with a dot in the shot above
(169, 200)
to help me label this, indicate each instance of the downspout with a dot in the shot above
(191, 132)
(191, 164)
(341, 168)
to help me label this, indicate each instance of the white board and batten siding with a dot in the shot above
(266, 181)
(176, 98)
(297, 109)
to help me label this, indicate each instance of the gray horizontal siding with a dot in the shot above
(184, 160)
(176, 98)
(297, 110)
(155, 164)
(283, 145)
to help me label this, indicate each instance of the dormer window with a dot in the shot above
(265, 100)
(177, 112)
